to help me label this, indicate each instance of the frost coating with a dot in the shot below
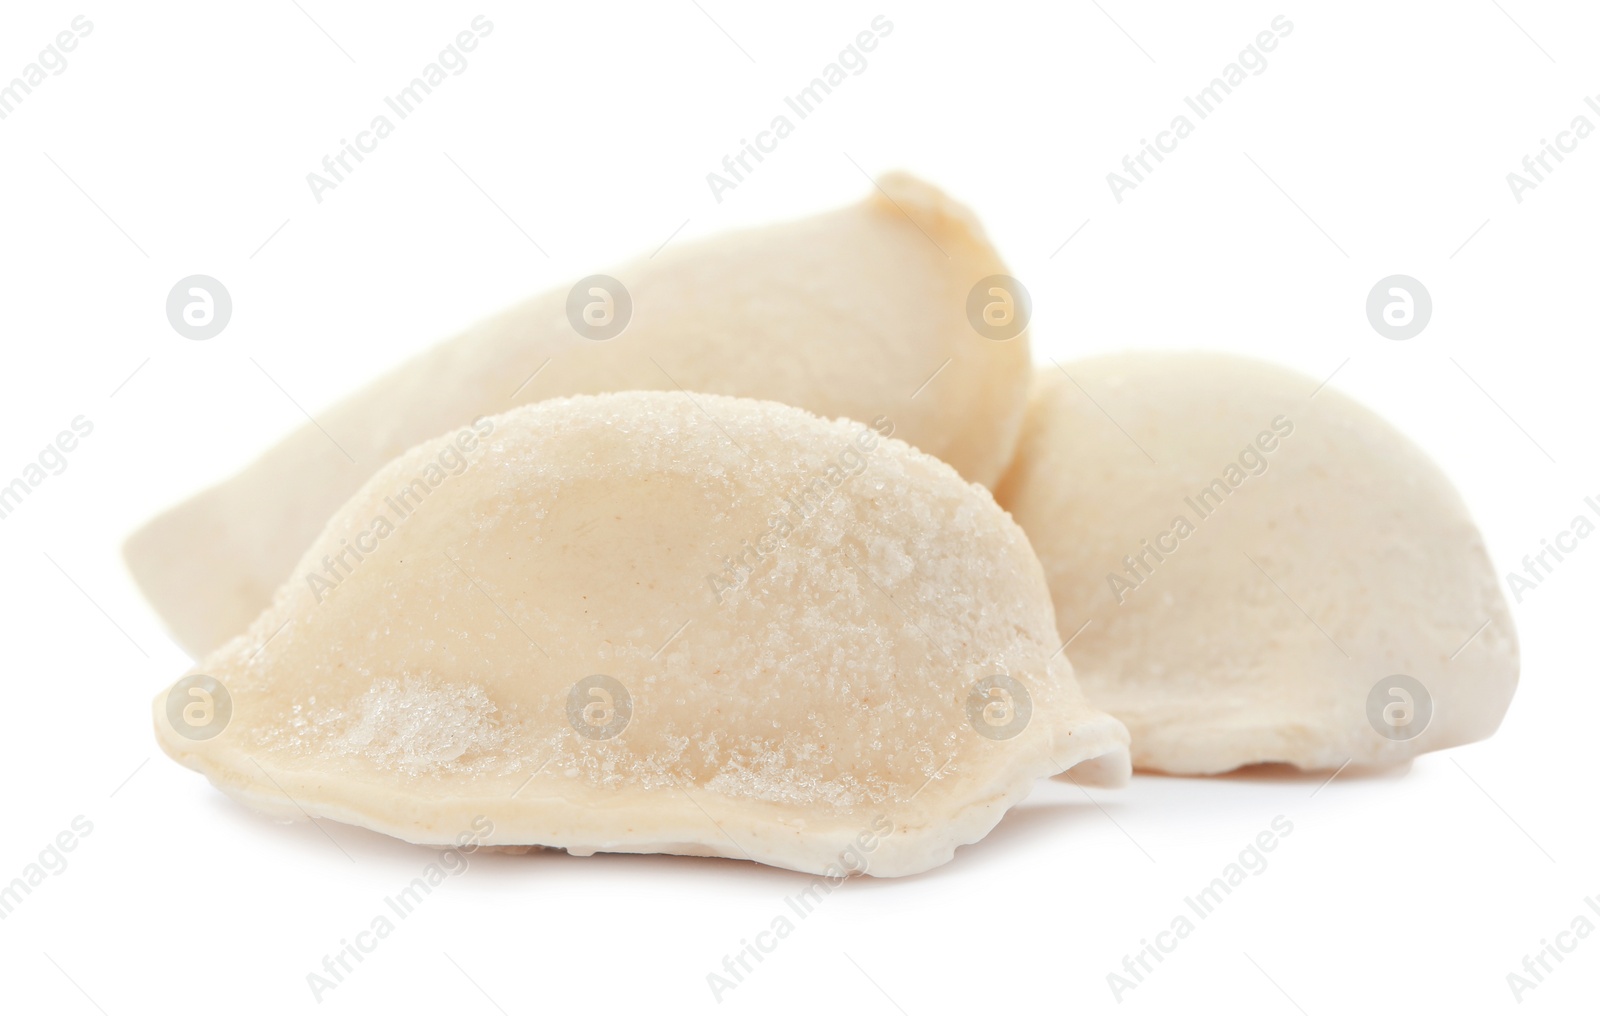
(416, 727)
(454, 671)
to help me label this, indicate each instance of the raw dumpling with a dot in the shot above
(850, 313)
(1266, 572)
(655, 622)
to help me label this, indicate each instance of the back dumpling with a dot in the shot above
(1267, 571)
(657, 622)
(883, 306)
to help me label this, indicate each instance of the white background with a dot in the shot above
(181, 136)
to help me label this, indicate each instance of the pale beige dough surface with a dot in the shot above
(778, 713)
(846, 313)
(1341, 558)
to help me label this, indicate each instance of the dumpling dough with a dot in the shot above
(1257, 567)
(656, 622)
(847, 313)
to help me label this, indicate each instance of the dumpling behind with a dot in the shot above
(1266, 572)
(862, 310)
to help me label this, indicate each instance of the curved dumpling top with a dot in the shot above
(1268, 572)
(656, 622)
(862, 310)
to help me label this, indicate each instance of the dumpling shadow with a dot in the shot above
(1282, 772)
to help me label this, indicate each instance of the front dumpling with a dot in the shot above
(651, 621)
